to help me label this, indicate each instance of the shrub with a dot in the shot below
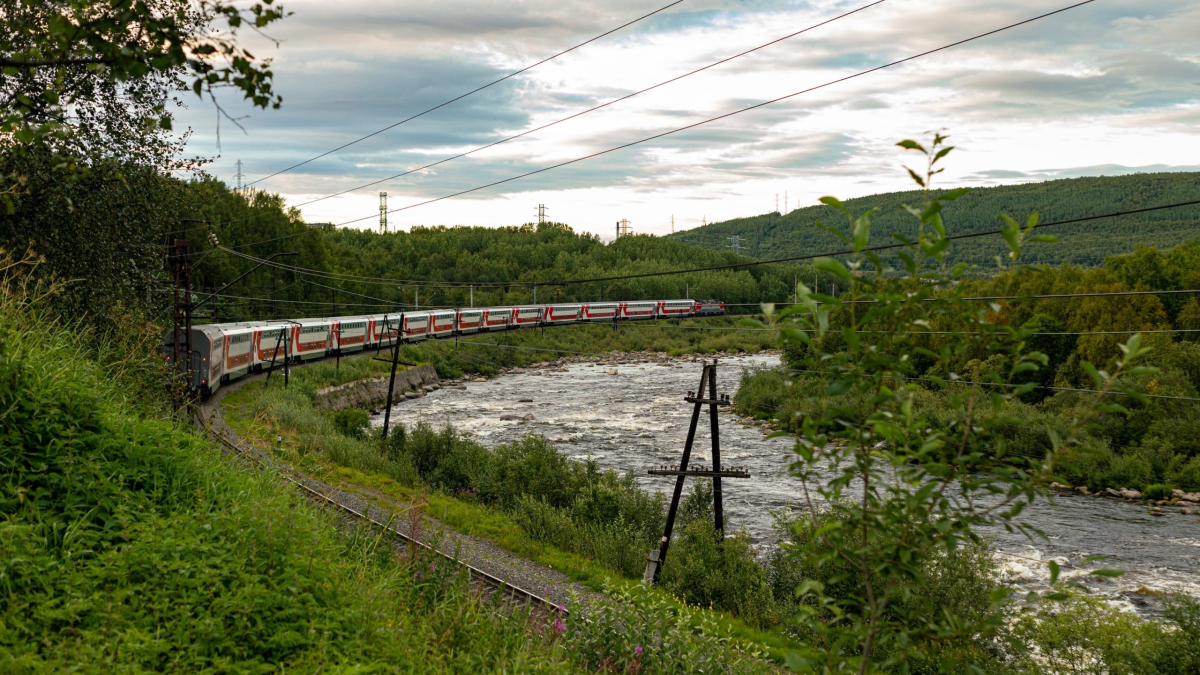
(706, 570)
(352, 422)
(634, 631)
(1086, 635)
(1157, 491)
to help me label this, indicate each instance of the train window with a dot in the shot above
(239, 339)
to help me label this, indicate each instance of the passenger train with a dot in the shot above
(226, 351)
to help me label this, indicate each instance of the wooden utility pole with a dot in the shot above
(708, 380)
(387, 412)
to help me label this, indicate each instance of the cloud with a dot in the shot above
(1069, 89)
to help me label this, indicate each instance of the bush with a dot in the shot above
(352, 422)
(634, 631)
(1157, 491)
(706, 570)
(1088, 636)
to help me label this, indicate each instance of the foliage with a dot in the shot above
(1155, 443)
(90, 78)
(128, 545)
(352, 422)
(635, 631)
(1157, 491)
(777, 235)
(1086, 636)
(895, 491)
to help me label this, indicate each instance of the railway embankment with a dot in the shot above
(373, 391)
(381, 507)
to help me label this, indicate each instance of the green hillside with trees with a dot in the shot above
(1087, 244)
(115, 255)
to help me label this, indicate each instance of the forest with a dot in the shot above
(776, 235)
(114, 256)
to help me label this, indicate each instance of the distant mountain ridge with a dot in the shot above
(777, 236)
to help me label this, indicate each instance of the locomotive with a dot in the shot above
(223, 352)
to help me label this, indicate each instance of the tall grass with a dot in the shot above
(130, 545)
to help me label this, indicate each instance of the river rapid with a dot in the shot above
(636, 420)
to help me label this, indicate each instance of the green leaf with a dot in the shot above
(911, 145)
(951, 195)
(835, 203)
(833, 267)
(919, 181)
(1108, 573)
(1054, 572)
(862, 230)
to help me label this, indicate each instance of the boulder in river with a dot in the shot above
(524, 400)
(1188, 512)
(511, 418)
(1182, 496)
(613, 371)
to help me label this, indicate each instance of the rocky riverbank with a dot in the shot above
(1188, 502)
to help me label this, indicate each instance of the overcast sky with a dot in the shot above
(1109, 87)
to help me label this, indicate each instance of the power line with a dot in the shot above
(932, 332)
(380, 281)
(729, 114)
(473, 91)
(593, 108)
(694, 270)
(1048, 296)
(1010, 385)
(884, 247)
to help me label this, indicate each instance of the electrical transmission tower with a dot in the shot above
(541, 213)
(239, 175)
(383, 212)
(623, 229)
(672, 224)
(735, 243)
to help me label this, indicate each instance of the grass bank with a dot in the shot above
(129, 544)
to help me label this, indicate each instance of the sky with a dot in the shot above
(1110, 87)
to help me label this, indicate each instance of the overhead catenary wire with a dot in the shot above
(1011, 385)
(596, 107)
(379, 281)
(882, 247)
(728, 114)
(469, 93)
(750, 329)
(1047, 296)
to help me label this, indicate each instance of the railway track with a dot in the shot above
(514, 596)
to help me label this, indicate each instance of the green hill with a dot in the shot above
(776, 236)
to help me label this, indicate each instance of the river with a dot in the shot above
(637, 419)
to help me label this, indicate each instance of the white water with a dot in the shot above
(637, 420)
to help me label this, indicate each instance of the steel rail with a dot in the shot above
(528, 598)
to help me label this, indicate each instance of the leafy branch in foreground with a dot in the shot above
(91, 79)
(884, 491)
